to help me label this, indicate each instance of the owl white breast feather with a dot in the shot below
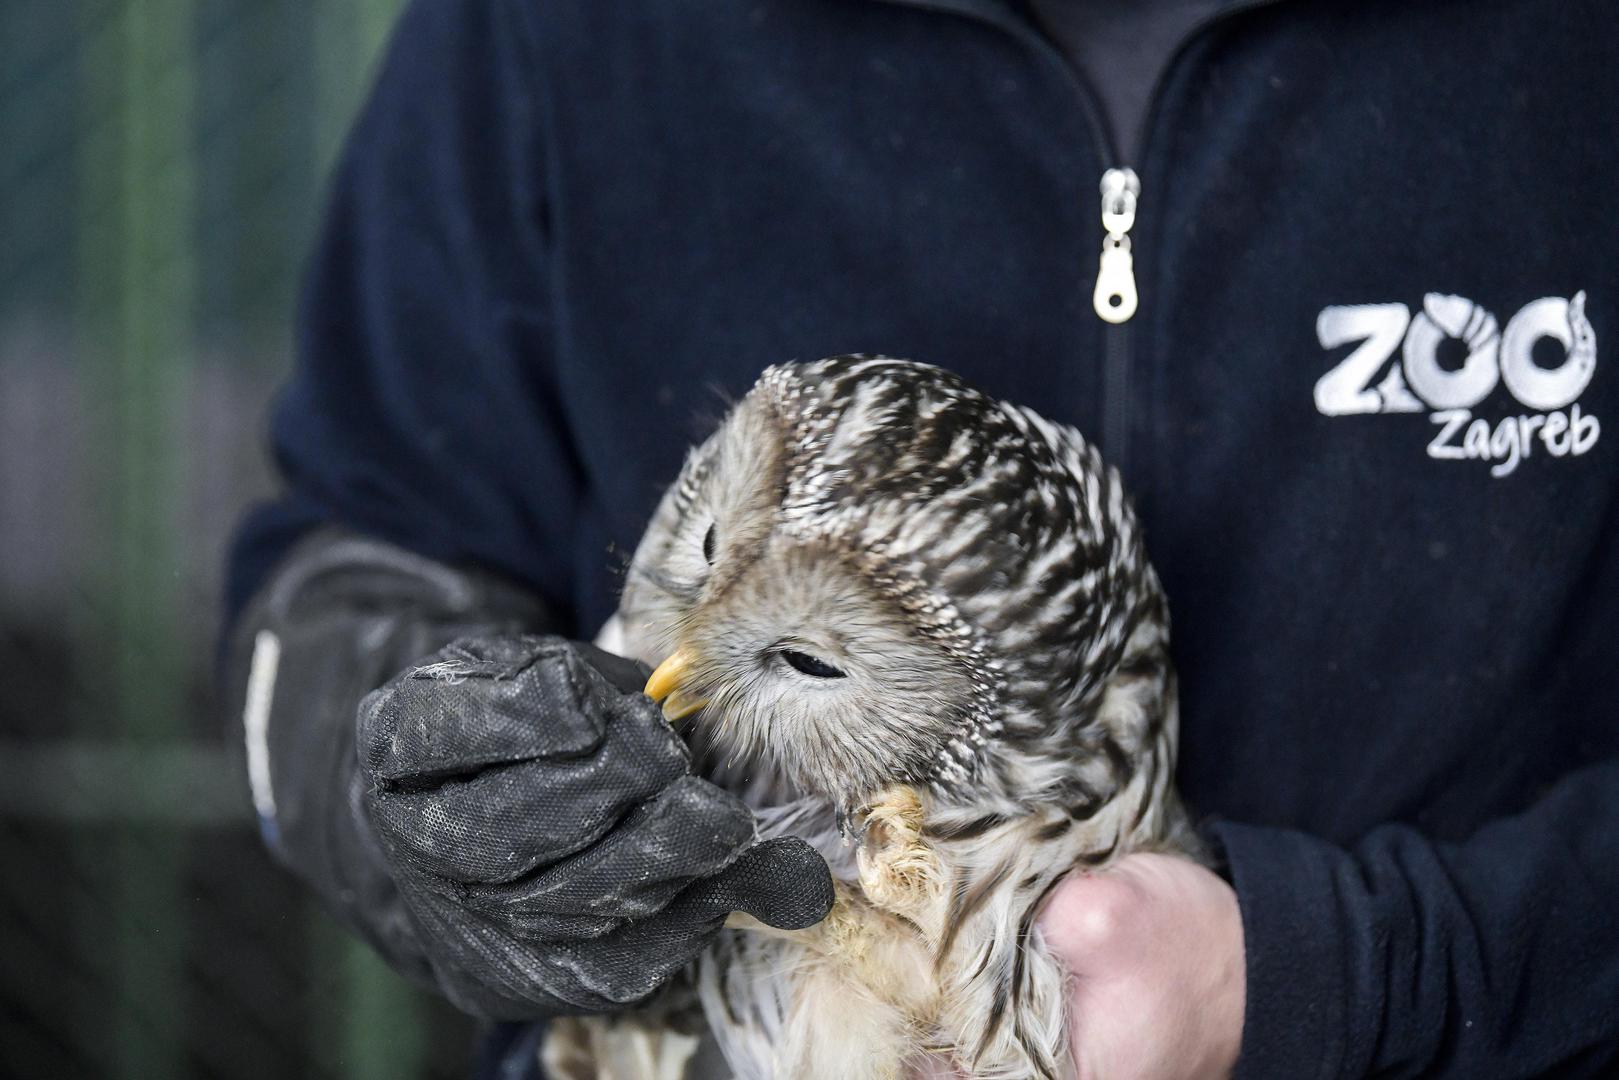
(918, 627)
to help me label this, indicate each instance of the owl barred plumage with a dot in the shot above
(921, 627)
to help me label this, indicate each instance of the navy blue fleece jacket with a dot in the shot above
(1364, 406)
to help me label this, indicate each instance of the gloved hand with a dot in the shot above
(546, 832)
(510, 821)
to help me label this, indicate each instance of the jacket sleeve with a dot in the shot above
(424, 455)
(338, 617)
(1400, 956)
(424, 408)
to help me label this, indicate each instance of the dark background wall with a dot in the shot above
(161, 166)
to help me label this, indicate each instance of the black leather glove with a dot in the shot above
(547, 832)
(510, 819)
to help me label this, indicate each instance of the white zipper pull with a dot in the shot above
(1115, 295)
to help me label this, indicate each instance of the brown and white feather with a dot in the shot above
(1004, 708)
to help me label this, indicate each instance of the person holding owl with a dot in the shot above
(1332, 244)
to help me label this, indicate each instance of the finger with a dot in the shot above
(781, 882)
(627, 965)
(493, 700)
(508, 820)
(625, 674)
(689, 831)
(489, 971)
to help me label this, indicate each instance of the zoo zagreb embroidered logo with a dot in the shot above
(1420, 382)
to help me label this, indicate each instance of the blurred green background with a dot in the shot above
(161, 170)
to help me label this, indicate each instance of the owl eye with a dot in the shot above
(811, 665)
(708, 545)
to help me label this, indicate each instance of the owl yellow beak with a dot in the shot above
(665, 687)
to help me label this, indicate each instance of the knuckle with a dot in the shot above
(692, 796)
(1091, 913)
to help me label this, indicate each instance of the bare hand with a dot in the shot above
(1155, 949)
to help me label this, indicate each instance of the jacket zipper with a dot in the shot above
(1114, 299)
(1115, 296)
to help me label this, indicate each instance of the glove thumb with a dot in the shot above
(782, 882)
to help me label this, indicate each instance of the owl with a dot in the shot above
(916, 626)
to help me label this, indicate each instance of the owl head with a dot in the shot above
(873, 574)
